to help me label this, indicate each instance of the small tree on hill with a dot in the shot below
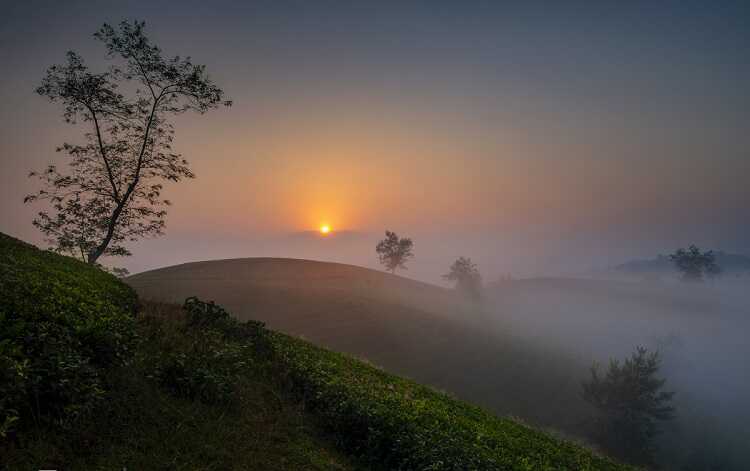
(630, 400)
(694, 264)
(112, 191)
(466, 275)
(394, 252)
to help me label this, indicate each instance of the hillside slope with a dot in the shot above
(363, 312)
(78, 386)
(422, 331)
(523, 351)
(200, 390)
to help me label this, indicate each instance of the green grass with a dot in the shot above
(144, 426)
(63, 325)
(40, 283)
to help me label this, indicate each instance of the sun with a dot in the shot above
(325, 229)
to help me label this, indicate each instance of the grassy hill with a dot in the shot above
(522, 352)
(200, 390)
(67, 403)
(421, 331)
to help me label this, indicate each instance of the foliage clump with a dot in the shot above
(631, 401)
(394, 251)
(210, 355)
(62, 323)
(694, 264)
(465, 274)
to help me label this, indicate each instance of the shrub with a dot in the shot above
(205, 359)
(630, 401)
(62, 325)
(209, 315)
(207, 368)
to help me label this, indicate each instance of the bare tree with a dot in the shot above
(394, 252)
(111, 192)
(467, 277)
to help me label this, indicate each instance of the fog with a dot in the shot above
(700, 330)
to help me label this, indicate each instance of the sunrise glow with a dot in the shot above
(325, 229)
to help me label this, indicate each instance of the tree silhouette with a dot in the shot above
(112, 190)
(630, 401)
(466, 275)
(394, 252)
(694, 264)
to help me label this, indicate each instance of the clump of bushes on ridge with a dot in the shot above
(211, 353)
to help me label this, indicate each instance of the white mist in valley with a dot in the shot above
(700, 330)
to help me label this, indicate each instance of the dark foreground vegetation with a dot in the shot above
(91, 382)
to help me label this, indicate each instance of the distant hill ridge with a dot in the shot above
(731, 264)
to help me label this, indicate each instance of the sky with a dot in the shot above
(536, 138)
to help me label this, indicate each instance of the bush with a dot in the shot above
(62, 324)
(206, 359)
(207, 368)
(209, 315)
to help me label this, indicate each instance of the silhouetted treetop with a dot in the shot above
(111, 193)
(394, 252)
(694, 264)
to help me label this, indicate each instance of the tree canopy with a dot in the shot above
(465, 274)
(694, 264)
(111, 192)
(394, 252)
(630, 400)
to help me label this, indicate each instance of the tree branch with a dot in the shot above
(99, 250)
(116, 193)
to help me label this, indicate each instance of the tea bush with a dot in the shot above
(398, 424)
(390, 422)
(206, 359)
(206, 367)
(209, 315)
(62, 324)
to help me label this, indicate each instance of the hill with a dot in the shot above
(331, 304)
(195, 388)
(522, 351)
(421, 331)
